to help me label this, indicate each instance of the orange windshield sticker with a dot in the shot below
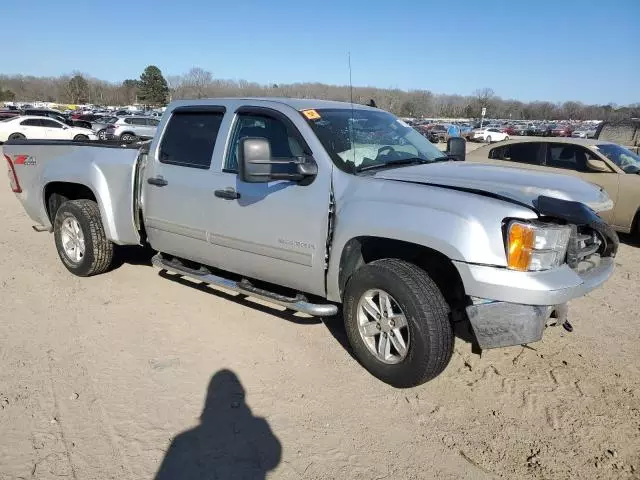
(311, 114)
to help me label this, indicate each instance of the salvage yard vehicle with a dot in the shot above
(33, 127)
(489, 135)
(131, 128)
(612, 167)
(313, 204)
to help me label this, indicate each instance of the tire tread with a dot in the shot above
(102, 249)
(432, 324)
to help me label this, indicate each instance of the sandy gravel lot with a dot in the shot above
(131, 375)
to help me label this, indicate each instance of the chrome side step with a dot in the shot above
(298, 303)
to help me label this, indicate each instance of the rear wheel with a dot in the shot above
(80, 238)
(17, 136)
(397, 322)
(506, 138)
(127, 137)
(488, 139)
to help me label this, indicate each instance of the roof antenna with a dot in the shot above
(350, 82)
(353, 116)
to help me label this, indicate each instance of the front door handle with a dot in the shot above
(228, 194)
(157, 181)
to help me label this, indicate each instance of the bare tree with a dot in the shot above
(483, 98)
(197, 82)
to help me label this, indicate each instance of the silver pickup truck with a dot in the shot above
(315, 204)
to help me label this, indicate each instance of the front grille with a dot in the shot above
(584, 246)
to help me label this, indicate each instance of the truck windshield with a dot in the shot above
(359, 139)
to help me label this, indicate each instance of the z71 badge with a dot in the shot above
(27, 160)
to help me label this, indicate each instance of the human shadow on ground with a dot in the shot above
(230, 443)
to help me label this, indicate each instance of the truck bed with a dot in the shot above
(108, 169)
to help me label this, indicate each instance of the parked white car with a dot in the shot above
(489, 135)
(584, 133)
(41, 128)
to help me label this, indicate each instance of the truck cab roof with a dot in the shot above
(296, 103)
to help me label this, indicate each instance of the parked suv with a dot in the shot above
(131, 128)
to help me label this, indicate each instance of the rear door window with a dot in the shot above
(529, 153)
(32, 122)
(189, 138)
(50, 123)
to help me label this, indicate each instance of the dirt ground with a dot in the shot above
(133, 375)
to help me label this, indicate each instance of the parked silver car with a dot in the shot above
(100, 126)
(131, 128)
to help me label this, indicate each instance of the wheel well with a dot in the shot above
(362, 250)
(635, 224)
(56, 193)
(128, 133)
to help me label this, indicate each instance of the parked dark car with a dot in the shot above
(90, 117)
(8, 114)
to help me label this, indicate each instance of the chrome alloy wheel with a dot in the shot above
(383, 326)
(72, 239)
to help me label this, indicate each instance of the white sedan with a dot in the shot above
(41, 128)
(489, 135)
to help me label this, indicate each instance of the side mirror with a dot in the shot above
(255, 164)
(457, 148)
(598, 166)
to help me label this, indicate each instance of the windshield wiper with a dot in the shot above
(396, 163)
(444, 158)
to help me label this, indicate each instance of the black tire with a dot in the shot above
(127, 137)
(430, 331)
(98, 254)
(488, 140)
(17, 136)
(102, 134)
(79, 138)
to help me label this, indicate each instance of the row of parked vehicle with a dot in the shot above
(52, 124)
(498, 131)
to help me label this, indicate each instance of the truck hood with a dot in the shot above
(523, 186)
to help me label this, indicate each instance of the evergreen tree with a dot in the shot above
(152, 87)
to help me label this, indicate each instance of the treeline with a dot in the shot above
(154, 89)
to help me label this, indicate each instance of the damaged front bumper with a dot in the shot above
(503, 324)
(512, 308)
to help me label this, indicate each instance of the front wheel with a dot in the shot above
(102, 134)
(506, 138)
(80, 238)
(127, 137)
(17, 136)
(488, 139)
(397, 322)
(80, 138)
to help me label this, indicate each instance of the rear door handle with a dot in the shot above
(157, 181)
(228, 194)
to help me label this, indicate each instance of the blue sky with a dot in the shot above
(542, 49)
